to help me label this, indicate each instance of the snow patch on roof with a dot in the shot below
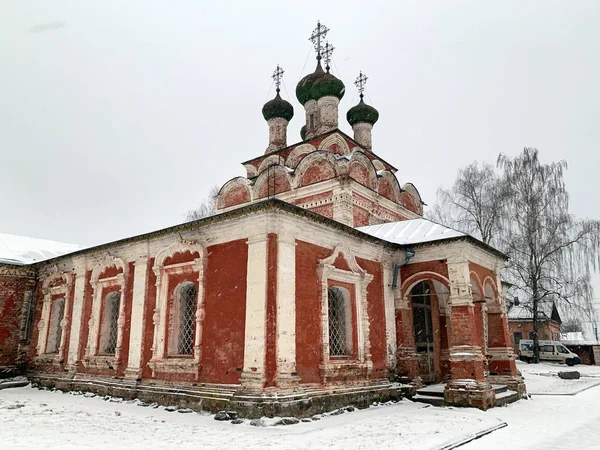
(412, 231)
(21, 250)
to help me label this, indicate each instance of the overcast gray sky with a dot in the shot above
(117, 116)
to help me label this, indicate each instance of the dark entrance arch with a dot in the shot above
(423, 330)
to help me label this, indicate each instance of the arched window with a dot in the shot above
(182, 319)
(110, 320)
(55, 328)
(340, 322)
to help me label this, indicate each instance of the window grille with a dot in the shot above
(111, 310)
(187, 315)
(338, 343)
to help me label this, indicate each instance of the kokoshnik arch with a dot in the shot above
(317, 284)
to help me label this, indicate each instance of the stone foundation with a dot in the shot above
(216, 398)
(477, 394)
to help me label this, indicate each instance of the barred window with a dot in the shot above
(54, 328)
(340, 322)
(182, 319)
(110, 322)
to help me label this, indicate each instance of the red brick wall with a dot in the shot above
(12, 293)
(309, 343)
(225, 308)
(376, 311)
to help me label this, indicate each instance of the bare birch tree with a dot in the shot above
(474, 203)
(207, 207)
(523, 210)
(551, 254)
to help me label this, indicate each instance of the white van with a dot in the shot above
(549, 351)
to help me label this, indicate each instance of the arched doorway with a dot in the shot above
(423, 330)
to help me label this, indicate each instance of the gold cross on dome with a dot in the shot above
(327, 52)
(277, 76)
(360, 83)
(315, 37)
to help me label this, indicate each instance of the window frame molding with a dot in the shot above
(360, 280)
(93, 357)
(161, 361)
(62, 290)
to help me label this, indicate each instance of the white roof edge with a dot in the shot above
(411, 231)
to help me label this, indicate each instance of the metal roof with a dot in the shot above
(412, 231)
(19, 250)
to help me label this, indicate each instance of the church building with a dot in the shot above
(317, 284)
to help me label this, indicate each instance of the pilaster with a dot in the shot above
(77, 314)
(287, 376)
(253, 374)
(390, 315)
(138, 325)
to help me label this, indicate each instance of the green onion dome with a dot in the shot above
(304, 86)
(278, 107)
(362, 113)
(327, 85)
(303, 132)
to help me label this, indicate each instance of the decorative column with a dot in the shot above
(253, 374)
(138, 325)
(468, 386)
(502, 366)
(78, 301)
(390, 316)
(343, 209)
(287, 376)
(406, 352)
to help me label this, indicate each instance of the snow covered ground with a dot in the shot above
(30, 418)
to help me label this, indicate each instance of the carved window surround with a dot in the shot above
(161, 361)
(359, 279)
(99, 287)
(52, 292)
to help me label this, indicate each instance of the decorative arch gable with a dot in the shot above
(235, 192)
(335, 144)
(298, 153)
(388, 186)
(344, 254)
(315, 167)
(105, 262)
(416, 204)
(270, 161)
(362, 170)
(276, 178)
(251, 170)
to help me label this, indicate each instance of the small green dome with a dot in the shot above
(303, 132)
(327, 85)
(362, 113)
(304, 86)
(278, 107)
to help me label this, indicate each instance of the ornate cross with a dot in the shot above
(315, 37)
(277, 76)
(360, 83)
(327, 52)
